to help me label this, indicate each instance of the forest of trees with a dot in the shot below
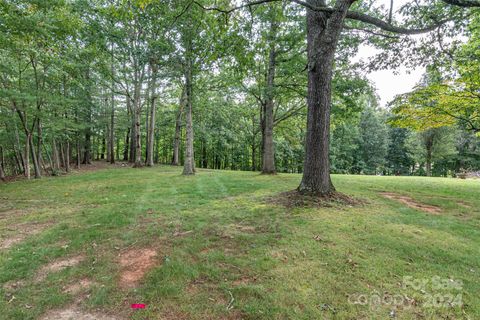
(269, 86)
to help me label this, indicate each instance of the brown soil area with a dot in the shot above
(409, 202)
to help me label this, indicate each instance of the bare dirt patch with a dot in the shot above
(244, 281)
(135, 264)
(57, 266)
(13, 213)
(13, 285)
(78, 286)
(100, 165)
(22, 231)
(75, 313)
(409, 202)
(464, 204)
(293, 199)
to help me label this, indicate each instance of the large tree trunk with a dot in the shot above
(268, 156)
(151, 131)
(189, 164)
(178, 130)
(323, 32)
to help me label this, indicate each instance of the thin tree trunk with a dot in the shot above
(87, 156)
(178, 128)
(112, 130)
(27, 156)
(151, 131)
(62, 155)
(204, 155)
(131, 156)
(50, 161)
(2, 164)
(137, 128)
(428, 164)
(67, 156)
(36, 164)
(56, 158)
(104, 147)
(117, 149)
(78, 153)
(323, 32)
(112, 115)
(39, 158)
(18, 151)
(127, 145)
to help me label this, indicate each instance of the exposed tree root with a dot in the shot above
(294, 198)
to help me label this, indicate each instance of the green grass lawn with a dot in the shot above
(226, 251)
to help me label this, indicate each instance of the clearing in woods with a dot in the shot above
(220, 245)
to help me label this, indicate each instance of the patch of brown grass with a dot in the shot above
(135, 263)
(409, 202)
(58, 265)
(22, 231)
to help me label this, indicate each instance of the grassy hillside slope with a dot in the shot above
(218, 246)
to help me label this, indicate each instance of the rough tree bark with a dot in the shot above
(178, 129)
(268, 165)
(189, 164)
(323, 32)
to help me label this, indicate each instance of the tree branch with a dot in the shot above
(463, 3)
(353, 15)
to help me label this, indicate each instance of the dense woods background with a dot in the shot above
(171, 82)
